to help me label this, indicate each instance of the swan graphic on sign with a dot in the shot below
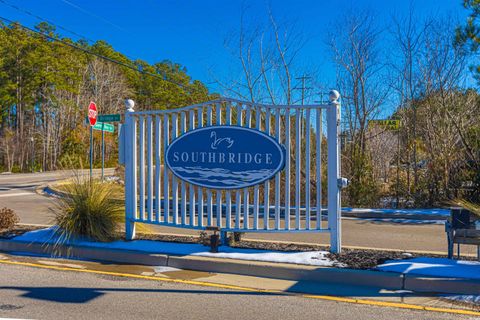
(216, 141)
(225, 157)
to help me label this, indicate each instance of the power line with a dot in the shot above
(43, 19)
(56, 25)
(94, 54)
(92, 14)
(322, 93)
(303, 87)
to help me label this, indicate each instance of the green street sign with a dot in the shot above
(108, 117)
(386, 124)
(102, 126)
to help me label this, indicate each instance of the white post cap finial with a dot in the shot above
(333, 96)
(129, 104)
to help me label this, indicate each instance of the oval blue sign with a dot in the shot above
(225, 157)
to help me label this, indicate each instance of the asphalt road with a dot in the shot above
(17, 191)
(33, 293)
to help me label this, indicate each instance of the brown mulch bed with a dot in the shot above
(349, 258)
(367, 259)
(166, 238)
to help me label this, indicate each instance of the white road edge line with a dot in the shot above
(17, 194)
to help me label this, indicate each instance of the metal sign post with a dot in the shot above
(92, 118)
(91, 151)
(103, 148)
(104, 127)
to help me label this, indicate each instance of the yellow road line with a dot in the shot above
(137, 276)
(394, 305)
(234, 287)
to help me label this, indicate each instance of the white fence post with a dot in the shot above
(334, 209)
(130, 156)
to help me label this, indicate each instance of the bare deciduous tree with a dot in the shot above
(440, 108)
(361, 72)
(409, 34)
(355, 43)
(268, 60)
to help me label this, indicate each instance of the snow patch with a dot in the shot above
(436, 267)
(161, 269)
(472, 299)
(315, 258)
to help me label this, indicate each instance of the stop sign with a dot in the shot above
(92, 113)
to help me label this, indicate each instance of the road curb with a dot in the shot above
(382, 215)
(48, 190)
(284, 271)
(378, 279)
(444, 285)
(85, 252)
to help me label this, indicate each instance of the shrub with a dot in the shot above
(363, 189)
(89, 209)
(120, 172)
(8, 218)
(204, 238)
(16, 169)
(236, 236)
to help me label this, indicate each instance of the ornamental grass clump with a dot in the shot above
(88, 209)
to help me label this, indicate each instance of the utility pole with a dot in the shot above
(303, 87)
(321, 94)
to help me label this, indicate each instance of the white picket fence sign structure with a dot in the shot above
(290, 202)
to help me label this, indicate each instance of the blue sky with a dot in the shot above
(193, 32)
